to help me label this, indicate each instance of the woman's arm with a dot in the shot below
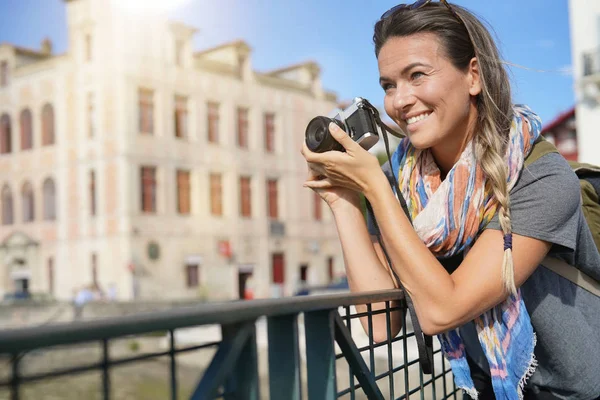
(443, 301)
(366, 267)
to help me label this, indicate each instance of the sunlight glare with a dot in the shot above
(144, 6)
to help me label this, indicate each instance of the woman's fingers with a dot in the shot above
(318, 184)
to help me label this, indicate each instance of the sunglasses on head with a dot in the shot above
(416, 5)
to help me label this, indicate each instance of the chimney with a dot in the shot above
(46, 47)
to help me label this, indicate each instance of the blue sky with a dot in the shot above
(337, 34)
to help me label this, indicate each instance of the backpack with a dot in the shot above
(589, 182)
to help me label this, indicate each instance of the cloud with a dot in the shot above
(566, 70)
(545, 43)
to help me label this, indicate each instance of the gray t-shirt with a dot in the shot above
(546, 205)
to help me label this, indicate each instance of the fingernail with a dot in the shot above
(333, 125)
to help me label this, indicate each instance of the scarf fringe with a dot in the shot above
(471, 392)
(533, 363)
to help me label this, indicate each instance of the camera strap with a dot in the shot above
(424, 342)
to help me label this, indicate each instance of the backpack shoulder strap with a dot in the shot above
(541, 147)
(573, 274)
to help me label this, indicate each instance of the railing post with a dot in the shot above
(105, 370)
(284, 357)
(320, 355)
(173, 362)
(14, 382)
(359, 367)
(243, 383)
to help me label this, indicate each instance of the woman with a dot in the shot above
(461, 172)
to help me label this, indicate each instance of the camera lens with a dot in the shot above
(318, 138)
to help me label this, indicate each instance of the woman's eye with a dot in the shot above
(386, 86)
(416, 75)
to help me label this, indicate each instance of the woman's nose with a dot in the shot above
(403, 99)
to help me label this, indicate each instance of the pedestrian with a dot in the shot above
(82, 296)
(481, 222)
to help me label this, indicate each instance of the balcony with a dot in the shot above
(591, 63)
(276, 228)
(316, 347)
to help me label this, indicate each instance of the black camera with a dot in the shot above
(360, 121)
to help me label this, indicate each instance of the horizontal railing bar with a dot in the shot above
(366, 313)
(14, 341)
(348, 390)
(111, 363)
(380, 344)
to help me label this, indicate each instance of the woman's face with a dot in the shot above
(430, 99)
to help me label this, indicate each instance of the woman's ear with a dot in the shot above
(474, 78)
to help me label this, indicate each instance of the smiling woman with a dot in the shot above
(483, 226)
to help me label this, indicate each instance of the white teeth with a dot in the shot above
(412, 120)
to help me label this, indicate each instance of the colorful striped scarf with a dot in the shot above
(448, 215)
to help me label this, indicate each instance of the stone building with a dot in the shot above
(135, 163)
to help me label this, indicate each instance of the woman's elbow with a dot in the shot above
(379, 333)
(434, 324)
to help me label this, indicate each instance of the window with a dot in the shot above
(50, 275)
(216, 193)
(28, 202)
(7, 206)
(4, 74)
(91, 115)
(192, 275)
(318, 207)
(180, 117)
(179, 46)
(242, 127)
(269, 132)
(213, 122)
(47, 125)
(183, 192)
(148, 189)
(26, 130)
(49, 199)
(272, 211)
(88, 47)
(92, 193)
(278, 268)
(94, 269)
(245, 197)
(303, 273)
(5, 134)
(146, 111)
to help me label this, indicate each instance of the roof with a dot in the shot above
(559, 120)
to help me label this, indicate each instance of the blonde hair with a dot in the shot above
(462, 40)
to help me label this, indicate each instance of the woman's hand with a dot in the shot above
(335, 197)
(332, 171)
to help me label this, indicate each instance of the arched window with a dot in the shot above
(28, 203)
(49, 193)
(5, 134)
(26, 130)
(7, 206)
(47, 125)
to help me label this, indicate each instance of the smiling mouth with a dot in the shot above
(417, 118)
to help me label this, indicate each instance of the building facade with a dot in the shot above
(138, 165)
(562, 132)
(584, 18)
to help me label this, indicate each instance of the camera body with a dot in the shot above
(358, 120)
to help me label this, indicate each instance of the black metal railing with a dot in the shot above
(319, 322)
